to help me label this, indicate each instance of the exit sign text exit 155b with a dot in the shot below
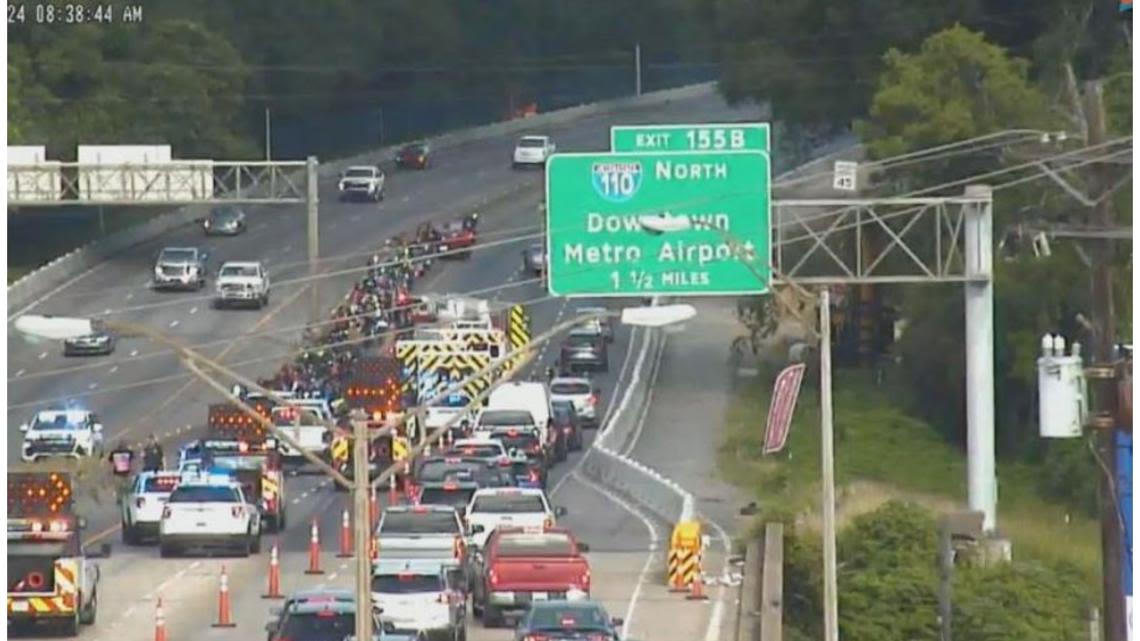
(754, 136)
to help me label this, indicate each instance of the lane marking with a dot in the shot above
(43, 355)
(712, 632)
(19, 373)
(174, 323)
(134, 352)
(332, 577)
(92, 385)
(194, 310)
(654, 541)
(113, 369)
(130, 295)
(107, 312)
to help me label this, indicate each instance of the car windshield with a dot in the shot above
(562, 412)
(561, 617)
(238, 463)
(515, 440)
(204, 494)
(569, 388)
(68, 422)
(415, 150)
(436, 471)
(581, 340)
(453, 226)
(536, 545)
(506, 417)
(224, 214)
(406, 583)
(328, 625)
(177, 256)
(532, 142)
(358, 173)
(427, 522)
(509, 504)
(457, 497)
(238, 270)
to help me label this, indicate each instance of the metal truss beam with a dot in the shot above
(185, 182)
(822, 241)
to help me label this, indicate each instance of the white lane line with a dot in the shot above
(654, 540)
(717, 616)
(295, 501)
(405, 199)
(332, 577)
(113, 369)
(174, 323)
(343, 567)
(130, 295)
(43, 355)
(20, 373)
(92, 385)
(194, 310)
(107, 312)
(128, 612)
(134, 352)
(304, 495)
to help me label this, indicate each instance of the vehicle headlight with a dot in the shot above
(340, 185)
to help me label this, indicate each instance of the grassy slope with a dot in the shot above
(882, 453)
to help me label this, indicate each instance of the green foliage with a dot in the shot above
(957, 86)
(888, 581)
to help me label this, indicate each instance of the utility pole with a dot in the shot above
(314, 236)
(945, 583)
(362, 525)
(637, 66)
(1102, 375)
(827, 449)
(268, 137)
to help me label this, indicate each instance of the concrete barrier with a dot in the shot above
(58, 273)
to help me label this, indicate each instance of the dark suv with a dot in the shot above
(584, 350)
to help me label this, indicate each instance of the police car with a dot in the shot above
(141, 508)
(63, 432)
(422, 594)
(209, 512)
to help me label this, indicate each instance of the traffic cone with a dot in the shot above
(374, 549)
(698, 588)
(274, 591)
(225, 620)
(159, 622)
(345, 536)
(393, 497)
(314, 550)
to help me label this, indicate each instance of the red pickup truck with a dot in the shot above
(519, 566)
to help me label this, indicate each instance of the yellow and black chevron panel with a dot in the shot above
(518, 326)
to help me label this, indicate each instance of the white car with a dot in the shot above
(420, 532)
(208, 513)
(532, 151)
(244, 282)
(508, 506)
(481, 446)
(421, 594)
(142, 506)
(62, 433)
(363, 182)
(579, 391)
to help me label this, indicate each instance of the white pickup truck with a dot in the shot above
(209, 513)
(511, 507)
(307, 425)
(363, 182)
(244, 283)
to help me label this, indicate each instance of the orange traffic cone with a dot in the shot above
(274, 591)
(698, 588)
(314, 550)
(374, 549)
(225, 620)
(345, 536)
(159, 622)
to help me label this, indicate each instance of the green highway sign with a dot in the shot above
(745, 136)
(598, 246)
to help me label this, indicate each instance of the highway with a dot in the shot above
(138, 391)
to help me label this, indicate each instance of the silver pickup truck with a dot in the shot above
(420, 532)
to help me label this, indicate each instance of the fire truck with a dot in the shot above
(247, 452)
(51, 580)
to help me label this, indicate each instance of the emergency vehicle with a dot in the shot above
(141, 508)
(228, 418)
(51, 580)
(256, 466)
(62, 433)
(210, 511)
(307, 425)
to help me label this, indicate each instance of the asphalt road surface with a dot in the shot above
(142, 390)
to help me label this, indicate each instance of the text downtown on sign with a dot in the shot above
(599, 248)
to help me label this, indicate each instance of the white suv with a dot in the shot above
(242, 282)
(581, 393)
(362, 182)
(532, 150)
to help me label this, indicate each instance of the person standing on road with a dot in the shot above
(153, 458)
(121, 459)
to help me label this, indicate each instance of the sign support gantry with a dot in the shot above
(179, 182)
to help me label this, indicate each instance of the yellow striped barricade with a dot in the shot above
(683, 565)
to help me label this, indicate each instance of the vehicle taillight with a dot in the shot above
(533, 476)
(593, 400)
(584, 581)
(493, 577)
(548, 523)
(536, 637)
(166, 512)
(566, 431)
(140, 501)
(597, 636)
(535, 449)
(236, 511)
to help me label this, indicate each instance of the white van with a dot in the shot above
(534, 397)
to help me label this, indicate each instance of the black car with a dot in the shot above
(564, 418)
(224, 221)
(416, 155)
(568, 620)
(99, 342)
(583, 351)
(528, 458)
(317, 619)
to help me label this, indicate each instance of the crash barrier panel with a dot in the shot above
(772, 588)
(684, 556)
(63, 269)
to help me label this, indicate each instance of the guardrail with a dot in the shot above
(61, 271)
